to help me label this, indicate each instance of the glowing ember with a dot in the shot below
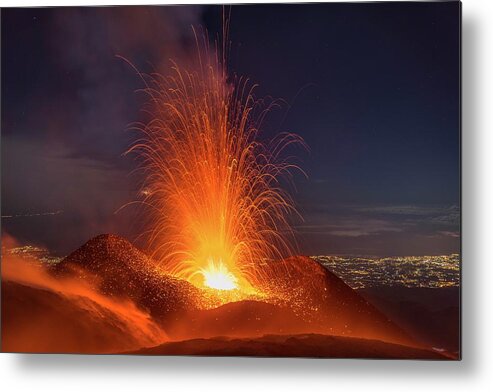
(218, 277)
(218, 206)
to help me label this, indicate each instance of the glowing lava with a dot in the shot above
(215, 191)
(218, 277)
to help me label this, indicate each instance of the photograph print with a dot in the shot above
(267, 180)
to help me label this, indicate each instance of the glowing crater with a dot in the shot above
(217, 276)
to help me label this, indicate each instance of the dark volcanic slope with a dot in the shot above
(432, 315)
(121, 270)
(238, 319)
(310, 345)
(43, 319)
(321, 297)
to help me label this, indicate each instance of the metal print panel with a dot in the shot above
(251, 180)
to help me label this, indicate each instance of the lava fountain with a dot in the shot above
(217, 194)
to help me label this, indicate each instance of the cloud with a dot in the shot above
(46, 182)
(99, 101)
(351, 227)
(449, 213)
(454, 234)
(399, 209)
(65, 151)
(415, 214)
(380, 229)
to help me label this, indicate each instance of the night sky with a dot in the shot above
(372, 88)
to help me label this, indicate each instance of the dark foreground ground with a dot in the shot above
(307, 345)
(429, 315)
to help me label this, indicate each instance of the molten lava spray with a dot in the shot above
(219, 210)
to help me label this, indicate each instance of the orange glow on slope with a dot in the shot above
(215, 190)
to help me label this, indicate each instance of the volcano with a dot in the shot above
(309, 310)
(118, 269)
(307, 297)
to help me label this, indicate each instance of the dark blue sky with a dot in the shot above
(372, 88)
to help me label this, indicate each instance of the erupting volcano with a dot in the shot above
(216, 192)
(219, 253)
